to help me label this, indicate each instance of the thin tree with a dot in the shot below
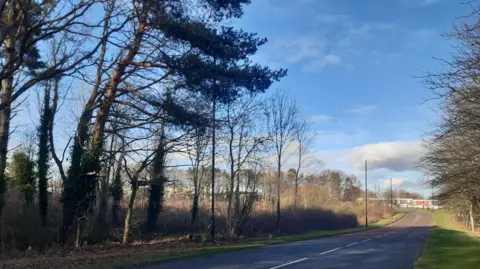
(304, 137)
(282, 119)
(135, 176)
(197, 154)
(242, 140)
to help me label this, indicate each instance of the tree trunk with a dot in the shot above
(297, 174)
(237, 208)
(157, 187)
(117, 190)
(304, 200)
(102, 209)
(76, 244)
(115, 209)
(230, 201)
(128, 216)
(472, 220)
(279, 179)
(295, 198)
(5, 114)
(237, 214)
(231, 187)
(193, 218)
(105, 185)
(42, 161)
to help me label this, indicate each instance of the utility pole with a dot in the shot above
(391, 195)
(366, 196)
(213, 164)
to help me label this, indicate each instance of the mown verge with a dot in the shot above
(449, 246)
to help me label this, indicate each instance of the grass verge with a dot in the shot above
(162, 257)
(449, 246)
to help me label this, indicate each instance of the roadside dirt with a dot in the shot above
(101, 254)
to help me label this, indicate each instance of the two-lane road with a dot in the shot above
(396, 246)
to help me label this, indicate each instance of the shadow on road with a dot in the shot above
(391, 245)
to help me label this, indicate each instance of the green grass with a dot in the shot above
(449, 246)
(162, 257)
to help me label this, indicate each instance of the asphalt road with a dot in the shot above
(396, 246)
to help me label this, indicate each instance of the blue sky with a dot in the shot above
(352, 69)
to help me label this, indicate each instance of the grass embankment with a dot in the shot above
(162, 257)
(449, 246)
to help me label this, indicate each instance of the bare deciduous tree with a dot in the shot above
(197, 153)
(242, 139)
(451, 158)
(304, 137)
(282, 120)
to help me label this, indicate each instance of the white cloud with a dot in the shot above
(322, 62)
(307, 51)
(319, 118)
(331, 138)
(299, 49)
(358, 32)
(403, 183)
(361, 109)
(395, 156)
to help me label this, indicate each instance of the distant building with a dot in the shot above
(410, 203)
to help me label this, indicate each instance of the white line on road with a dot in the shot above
(352, 244)
(285, 264)
(328, 251)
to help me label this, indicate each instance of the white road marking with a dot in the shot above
(381, 235)
(285, 264)
(353, 244)
(328, 251)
